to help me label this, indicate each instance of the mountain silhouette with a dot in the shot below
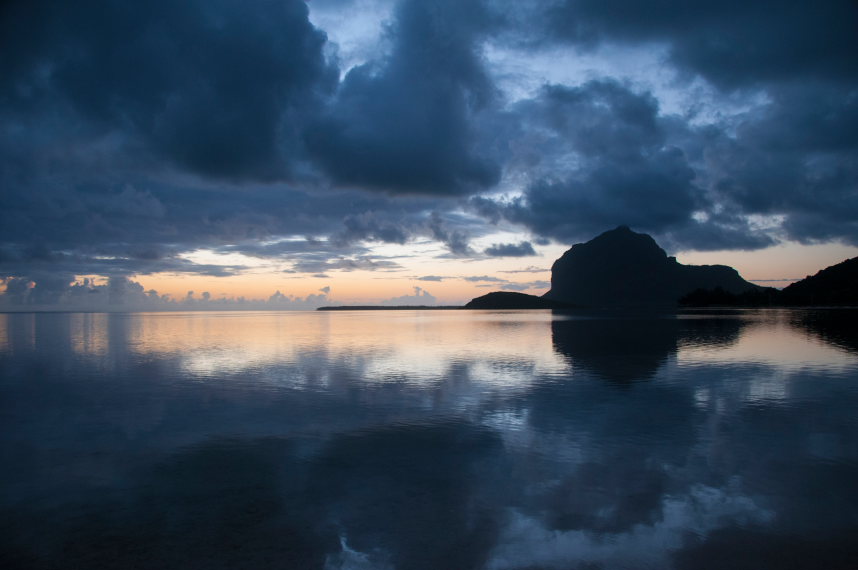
(622, 268)
(835, 285)
(510, 300)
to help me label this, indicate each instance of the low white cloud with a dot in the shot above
(124, 294)
(420, 297)
(528, 542)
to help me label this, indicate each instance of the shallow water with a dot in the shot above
(437, 439)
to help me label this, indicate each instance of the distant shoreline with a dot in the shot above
(390, 308)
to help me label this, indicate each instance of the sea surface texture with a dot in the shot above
(435, 439)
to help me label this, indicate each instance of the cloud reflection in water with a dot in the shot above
(425, 440)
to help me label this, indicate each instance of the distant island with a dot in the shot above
(624, 269)
(389, 308)
(835, 286)
(510, 300)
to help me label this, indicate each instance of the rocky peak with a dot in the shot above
(624, 268)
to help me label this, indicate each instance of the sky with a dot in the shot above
(290, 154)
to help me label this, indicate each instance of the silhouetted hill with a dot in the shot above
(621, 268)
(761, 297)
(509, 300)
(835, 285)
(388, 308)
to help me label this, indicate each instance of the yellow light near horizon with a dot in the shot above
(777, 266)
(345, 287)
(249, 285)
(359, 286)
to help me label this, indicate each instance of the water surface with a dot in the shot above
(438, 439)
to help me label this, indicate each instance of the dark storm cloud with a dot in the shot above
(369, 226)
(403, 219)
(732, 44)
(133, 133)
(522, 249)
(605, 158)
(792, 154)
(39, 263)
(456, 240)
(93, 219)
(108, 107)
(91, 227)
(404, 124)
(285, 249)
(718, 232)
(361, 263)
(602, 153)
(213, 87)
(797, 158)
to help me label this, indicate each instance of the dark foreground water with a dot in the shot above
(438, 440)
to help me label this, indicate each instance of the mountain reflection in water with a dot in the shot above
(623, 349)
(461, 439)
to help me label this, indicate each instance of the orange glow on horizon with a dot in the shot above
(370, 287)
(345, 287)
(780, 264)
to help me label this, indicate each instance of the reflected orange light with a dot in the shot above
(403, 344)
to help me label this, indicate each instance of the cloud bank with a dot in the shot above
(133, 134)
(120, 294)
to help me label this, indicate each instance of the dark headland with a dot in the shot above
(388, 308)
(624, 269)
(510, 300)
(835, 286)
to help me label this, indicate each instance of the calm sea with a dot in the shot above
(436, 439)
